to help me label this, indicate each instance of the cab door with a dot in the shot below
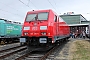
(56, 25)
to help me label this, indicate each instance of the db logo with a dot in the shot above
(34, 28)
(35, 24)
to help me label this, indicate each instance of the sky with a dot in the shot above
(15, 10)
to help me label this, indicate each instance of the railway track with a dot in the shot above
(21, 53)
(8, 46)
(35, 55)
(11, 51)
(38, 55)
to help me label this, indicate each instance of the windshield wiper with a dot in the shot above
(32, 19)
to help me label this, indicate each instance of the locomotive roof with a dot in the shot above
(41, 11)
(7, 21)
(38, 10)
(35, 11)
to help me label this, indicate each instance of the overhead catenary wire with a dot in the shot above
(28, 2)
(32, 3)
(54, 2)
(25, 4)
(52, 5)
(11, 13)
(10, 7)
(6, 14)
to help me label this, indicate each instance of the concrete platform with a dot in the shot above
(78, 39)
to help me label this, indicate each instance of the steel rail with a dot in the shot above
(25, 55)
(48, 53)
(6, 55)
(9, 49)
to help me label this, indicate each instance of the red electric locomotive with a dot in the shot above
(43, 28)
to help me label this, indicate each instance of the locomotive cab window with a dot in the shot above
(39, 16)
(43, 16)
(31, 17)
(55, 18)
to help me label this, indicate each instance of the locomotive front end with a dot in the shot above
(35, 29)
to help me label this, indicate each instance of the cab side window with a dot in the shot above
(55, 18)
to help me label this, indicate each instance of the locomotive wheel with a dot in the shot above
(58, 42)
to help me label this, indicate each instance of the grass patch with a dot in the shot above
(82, 50)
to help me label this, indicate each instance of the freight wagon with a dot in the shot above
(9, 31)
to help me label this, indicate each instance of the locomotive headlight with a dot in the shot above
(27, 28)
(48, 33)
(43, 27)
(25, 33)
